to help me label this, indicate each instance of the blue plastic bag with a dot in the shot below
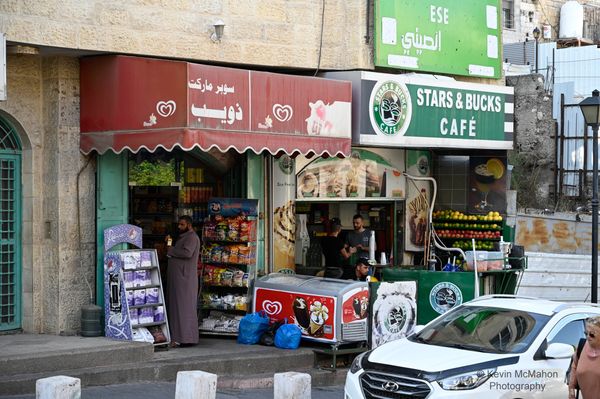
(252, 326)
(288, 336)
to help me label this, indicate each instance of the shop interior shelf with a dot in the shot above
(142, 287)
(225, 264)
(438, 226)
(477, 221)
(148, 324)
(242, 311)
(468, 238)
(152, 214)
(146, 305)
(227, 287)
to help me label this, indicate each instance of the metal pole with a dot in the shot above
(536, 55)
(595, 217)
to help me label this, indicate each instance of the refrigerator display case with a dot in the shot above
(326, 310)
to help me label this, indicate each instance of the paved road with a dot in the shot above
(164, 390)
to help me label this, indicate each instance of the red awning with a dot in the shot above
(130, 103)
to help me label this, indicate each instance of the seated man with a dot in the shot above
(362, 270)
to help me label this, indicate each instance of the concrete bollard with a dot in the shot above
(291, 385)
(58, 387)
(195, 385)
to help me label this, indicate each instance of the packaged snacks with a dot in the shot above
(152, 295)
(233, 227)
(139, 297)
(227, 278)
(238, 278)
(146, 315)
(133, 316)
(245, 230)
(240, 303)
(129, 295)
(159, 314)
(221, 231)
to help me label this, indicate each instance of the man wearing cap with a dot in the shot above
(362, 270)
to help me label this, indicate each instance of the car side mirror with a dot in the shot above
(417, 329)
(558, 350)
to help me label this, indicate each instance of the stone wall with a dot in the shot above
(280, 33)
(533, 157)
(43, 105)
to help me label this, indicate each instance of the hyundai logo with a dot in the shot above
(390, 386)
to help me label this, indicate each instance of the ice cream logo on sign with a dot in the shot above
(329, 119)
(282, 113)
(166, 108)
(272, 308)
(390, 108)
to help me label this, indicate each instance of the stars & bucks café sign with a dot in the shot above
(408, 111)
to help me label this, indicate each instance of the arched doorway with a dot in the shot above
(10, 227)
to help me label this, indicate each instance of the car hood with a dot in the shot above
(431, 358)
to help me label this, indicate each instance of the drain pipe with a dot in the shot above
(91, 314)
(436, 241)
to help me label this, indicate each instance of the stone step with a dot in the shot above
(230, 367)
(90, 351)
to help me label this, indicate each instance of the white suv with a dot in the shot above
(491, 347)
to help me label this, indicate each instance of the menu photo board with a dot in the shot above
(365, 174)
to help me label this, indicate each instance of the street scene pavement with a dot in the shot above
(160, 390)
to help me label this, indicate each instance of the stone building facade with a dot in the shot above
(521, 17)
(45, 40)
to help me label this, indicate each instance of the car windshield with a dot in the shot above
(483, 329)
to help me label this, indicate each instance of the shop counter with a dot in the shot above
(438, 292)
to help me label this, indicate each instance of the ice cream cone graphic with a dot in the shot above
(319, 314)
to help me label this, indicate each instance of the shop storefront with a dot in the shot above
(420, 143)
(174, 137)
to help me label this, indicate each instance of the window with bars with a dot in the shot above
(10, 268)
(508, 14)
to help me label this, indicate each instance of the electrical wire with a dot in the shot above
(321, 41)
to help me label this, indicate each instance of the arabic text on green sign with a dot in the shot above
(447, 36)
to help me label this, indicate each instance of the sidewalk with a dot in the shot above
(101, 362)
(167, 391)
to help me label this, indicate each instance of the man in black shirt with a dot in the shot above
(334, 249)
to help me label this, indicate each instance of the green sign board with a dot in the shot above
(446, 36)
(411, 111)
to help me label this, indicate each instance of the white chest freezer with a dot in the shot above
(325, 309)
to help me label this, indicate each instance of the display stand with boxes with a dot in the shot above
(133, 294)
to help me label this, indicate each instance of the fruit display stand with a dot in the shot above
(457, 229)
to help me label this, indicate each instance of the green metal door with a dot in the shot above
(111, 206)
(10, 228)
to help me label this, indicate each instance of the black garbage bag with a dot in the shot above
(268, 337)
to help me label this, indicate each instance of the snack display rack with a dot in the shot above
(227, 264)
(133, 293)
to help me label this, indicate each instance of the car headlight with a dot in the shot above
(470, 380)
(357, 362)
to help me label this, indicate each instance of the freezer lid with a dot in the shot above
(307, 283)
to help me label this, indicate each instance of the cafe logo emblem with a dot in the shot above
(396, 318)
(444, 296)
(390, 108)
